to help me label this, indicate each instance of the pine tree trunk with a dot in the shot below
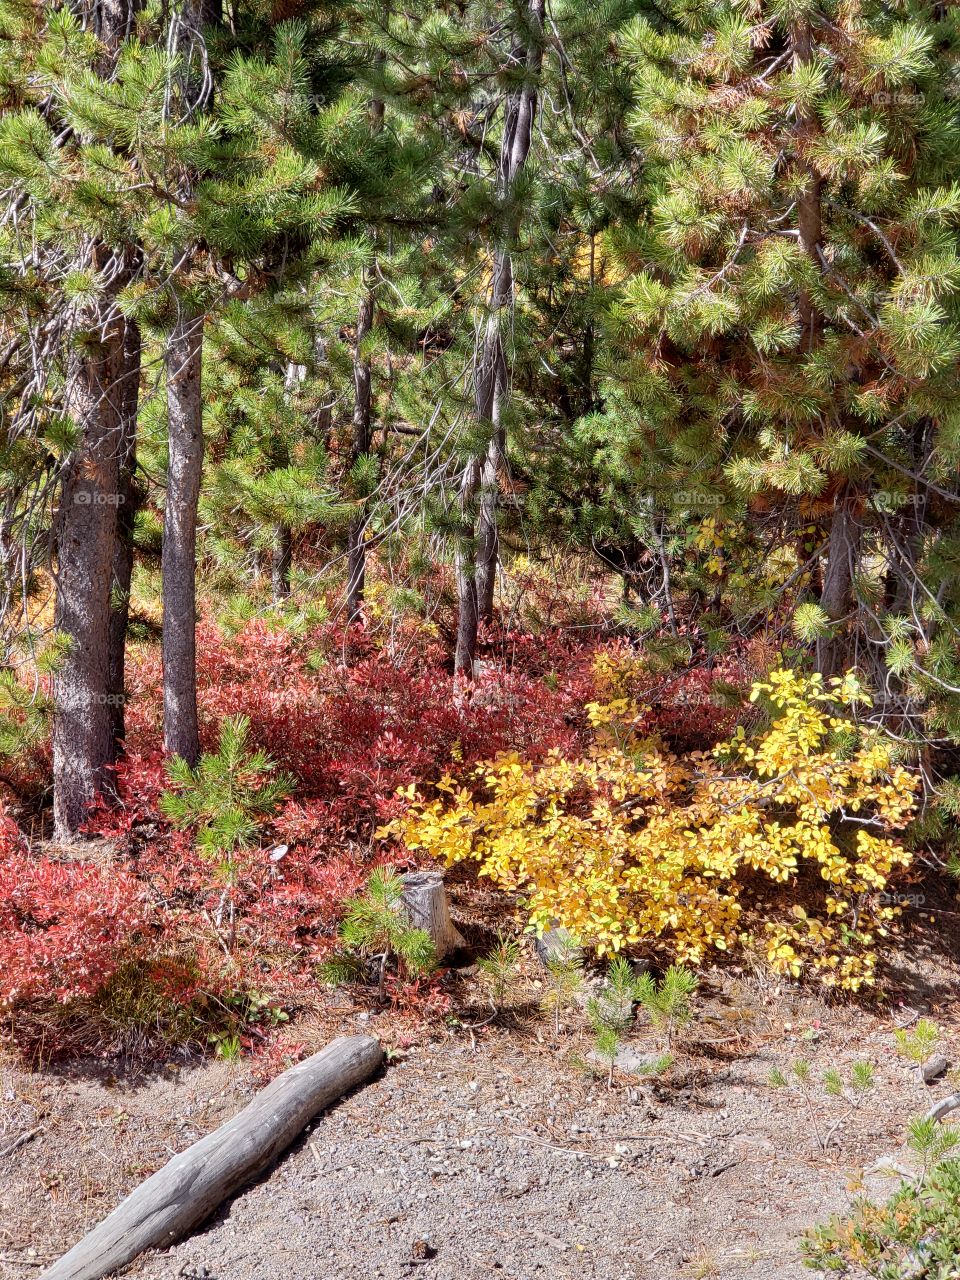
(837, 598)
(113, 23)
(468, 616)
(809, 203)
(476, 581)
(491, 393)
(129, 496)
(362, 436)
(86, 543)
(84, 690)
(362, 404)
(281, 561)
(181, 735)
(488, 537)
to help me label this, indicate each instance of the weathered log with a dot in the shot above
(944, 1107)
(188, 1188)
(425, 902)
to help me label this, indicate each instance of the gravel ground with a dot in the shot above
(493, 1151)
(461, 1164)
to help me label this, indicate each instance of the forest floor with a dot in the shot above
(494, 1151)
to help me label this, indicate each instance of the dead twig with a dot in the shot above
(20, 1141)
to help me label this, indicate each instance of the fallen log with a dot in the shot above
(943, 1107)
(186, 1190)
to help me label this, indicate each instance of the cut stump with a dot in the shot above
(186, 1190)
(425, 902)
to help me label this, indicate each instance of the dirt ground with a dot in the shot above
(494, 1151)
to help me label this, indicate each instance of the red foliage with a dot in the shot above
(685, 709)
(351, 733)
(422, 998)
(65, 927)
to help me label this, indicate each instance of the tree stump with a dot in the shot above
(425, 902)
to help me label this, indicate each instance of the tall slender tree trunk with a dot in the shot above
(362, 438)
(184, 362)
(86, 526)
(281, 561)
(86, 542)
(478, 551)
(490, 397)
(469, 615)
(128, 494)
(362, 408)
(181, 734)
(837, 599)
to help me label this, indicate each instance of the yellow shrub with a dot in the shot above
(623, 847)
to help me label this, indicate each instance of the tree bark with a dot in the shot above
(476, 581)
(837, 598)
(468, 616)
(112, 24)
(362, 406)
(281, 562)
(181, 734)
(129, 501)
(189, 1187)
(362, 437)
(86, 528)
(86, 543)
(425, 902)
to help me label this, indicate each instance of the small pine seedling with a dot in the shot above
(612, 1011)
(917, 1046)
(668, 1002)
(227, 797)
(606, 1037)
(375, 927)
(564, 980)
(500, 970)
(931, 1141)
(860, 1082)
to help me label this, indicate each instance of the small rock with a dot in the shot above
(422, 1251)
(629, 1061)
(934, 1067)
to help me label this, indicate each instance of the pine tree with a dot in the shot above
(789, 319)
(85, 264)
(478, 556)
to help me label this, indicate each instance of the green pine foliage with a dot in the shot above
(375, 927)
(499, 971)
(227, 797)
(668, 1002)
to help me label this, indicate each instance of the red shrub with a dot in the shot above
(686, 709)
(65, 927)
